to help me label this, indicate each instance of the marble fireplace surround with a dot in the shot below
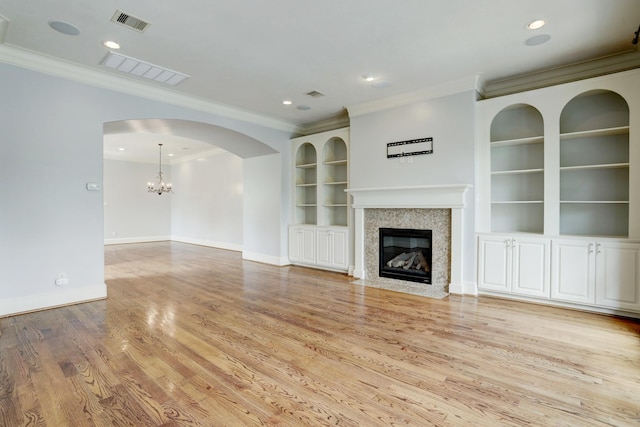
(409, 200)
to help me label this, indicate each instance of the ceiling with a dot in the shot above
(252, 55)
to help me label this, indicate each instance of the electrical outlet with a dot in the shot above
(62, 280)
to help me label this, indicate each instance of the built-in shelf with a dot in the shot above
(307, 166)
(336, 162)
(307, 185)
(602, 166)
(517, 171)
(618, 130)
(517, 202)
(595, 202)
(336, 183)
(518, 141)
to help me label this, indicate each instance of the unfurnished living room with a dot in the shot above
(302, 213)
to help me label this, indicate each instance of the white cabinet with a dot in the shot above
(618, 275)
(519, 265)
(573, 267)
(601, 272)
(332, 247)
(302, 244)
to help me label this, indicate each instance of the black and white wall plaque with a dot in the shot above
(412, 147)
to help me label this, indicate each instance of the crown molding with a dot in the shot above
(463, 84)
(71, 71)
(609, 64)
(333, 123)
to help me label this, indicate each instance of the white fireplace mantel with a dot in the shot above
(416, 197)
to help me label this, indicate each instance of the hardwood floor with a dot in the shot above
(194, 336)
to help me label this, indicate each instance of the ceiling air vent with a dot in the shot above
(129, 21)
(137, 67)
(315, 94)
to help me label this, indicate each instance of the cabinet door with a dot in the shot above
(324, 247)
(332, 248)
(618, 275)
(494, 264)
(573, 271)
(340, 249)
(531, 265)
(302, 245)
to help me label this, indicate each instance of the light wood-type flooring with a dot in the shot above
(195, 336)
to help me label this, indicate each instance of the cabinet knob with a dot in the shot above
(590, 248)
(598, 248)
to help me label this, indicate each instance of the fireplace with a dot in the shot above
(393, 204)
(405, 254)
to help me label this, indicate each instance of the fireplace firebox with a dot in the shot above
(405, 254)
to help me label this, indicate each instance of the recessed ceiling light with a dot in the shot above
(287, 102)
(111, 44)
(368, 77)
(121, 149)
(170, 154)
(64, 28)
(539, 23)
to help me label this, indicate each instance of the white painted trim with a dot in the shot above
(563, 304)
(466, 288)
(209, 243)
(67, 70)
(449, 88)
(417, 197)
(61, 296)
(423, 196)
(266, 259)
(141, 239)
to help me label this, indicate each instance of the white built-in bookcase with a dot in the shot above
(558, 194)
(321, 176)
(560, 165)
(319, 233)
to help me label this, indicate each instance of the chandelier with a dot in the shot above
(159, 186)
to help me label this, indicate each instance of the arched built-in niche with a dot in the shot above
(594, 165)
(335, 168)
(306, 197)
(517, 170)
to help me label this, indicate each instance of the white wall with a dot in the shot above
(207, 204)
(131, 214)
(261, 239)
(52, 131)
(450, 121)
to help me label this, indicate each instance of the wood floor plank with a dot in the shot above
(195, 336)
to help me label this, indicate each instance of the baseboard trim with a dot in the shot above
(141, 239)
(208, 243)
(58, 298)
(265, 259)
